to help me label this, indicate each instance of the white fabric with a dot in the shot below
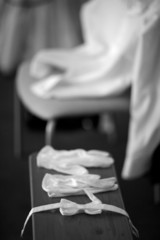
(105, 59)
(57, 185)
(144, 130)
(72, 161)
(121, 48)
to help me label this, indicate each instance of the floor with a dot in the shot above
(70, 133)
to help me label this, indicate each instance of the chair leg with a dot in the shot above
(17, 126)
(156, 193)
(154, 174)
(107, 125)
(50, 127)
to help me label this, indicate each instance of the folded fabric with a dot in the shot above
(55, 180)
(49, 87)
(66, 185)
(104, 64)
(72, 161)
(105, 59)
(42, 87)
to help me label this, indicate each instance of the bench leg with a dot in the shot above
(50, 127)
(156, 193)
(17, 126)
(155, 177)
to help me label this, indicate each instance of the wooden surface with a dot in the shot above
(52, 225)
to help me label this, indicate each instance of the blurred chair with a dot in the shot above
(108, 51)
(52, 109)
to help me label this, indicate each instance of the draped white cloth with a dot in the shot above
(107, 54)
(121, 48)
(144, 129)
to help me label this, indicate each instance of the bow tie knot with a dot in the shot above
(68, 207)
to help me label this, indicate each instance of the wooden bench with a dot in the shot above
(52, 225)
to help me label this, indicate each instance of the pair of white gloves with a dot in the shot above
(80, 182)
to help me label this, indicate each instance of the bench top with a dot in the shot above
(52, 225)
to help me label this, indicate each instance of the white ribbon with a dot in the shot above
(69, 208)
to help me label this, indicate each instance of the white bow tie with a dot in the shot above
(69, 208)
